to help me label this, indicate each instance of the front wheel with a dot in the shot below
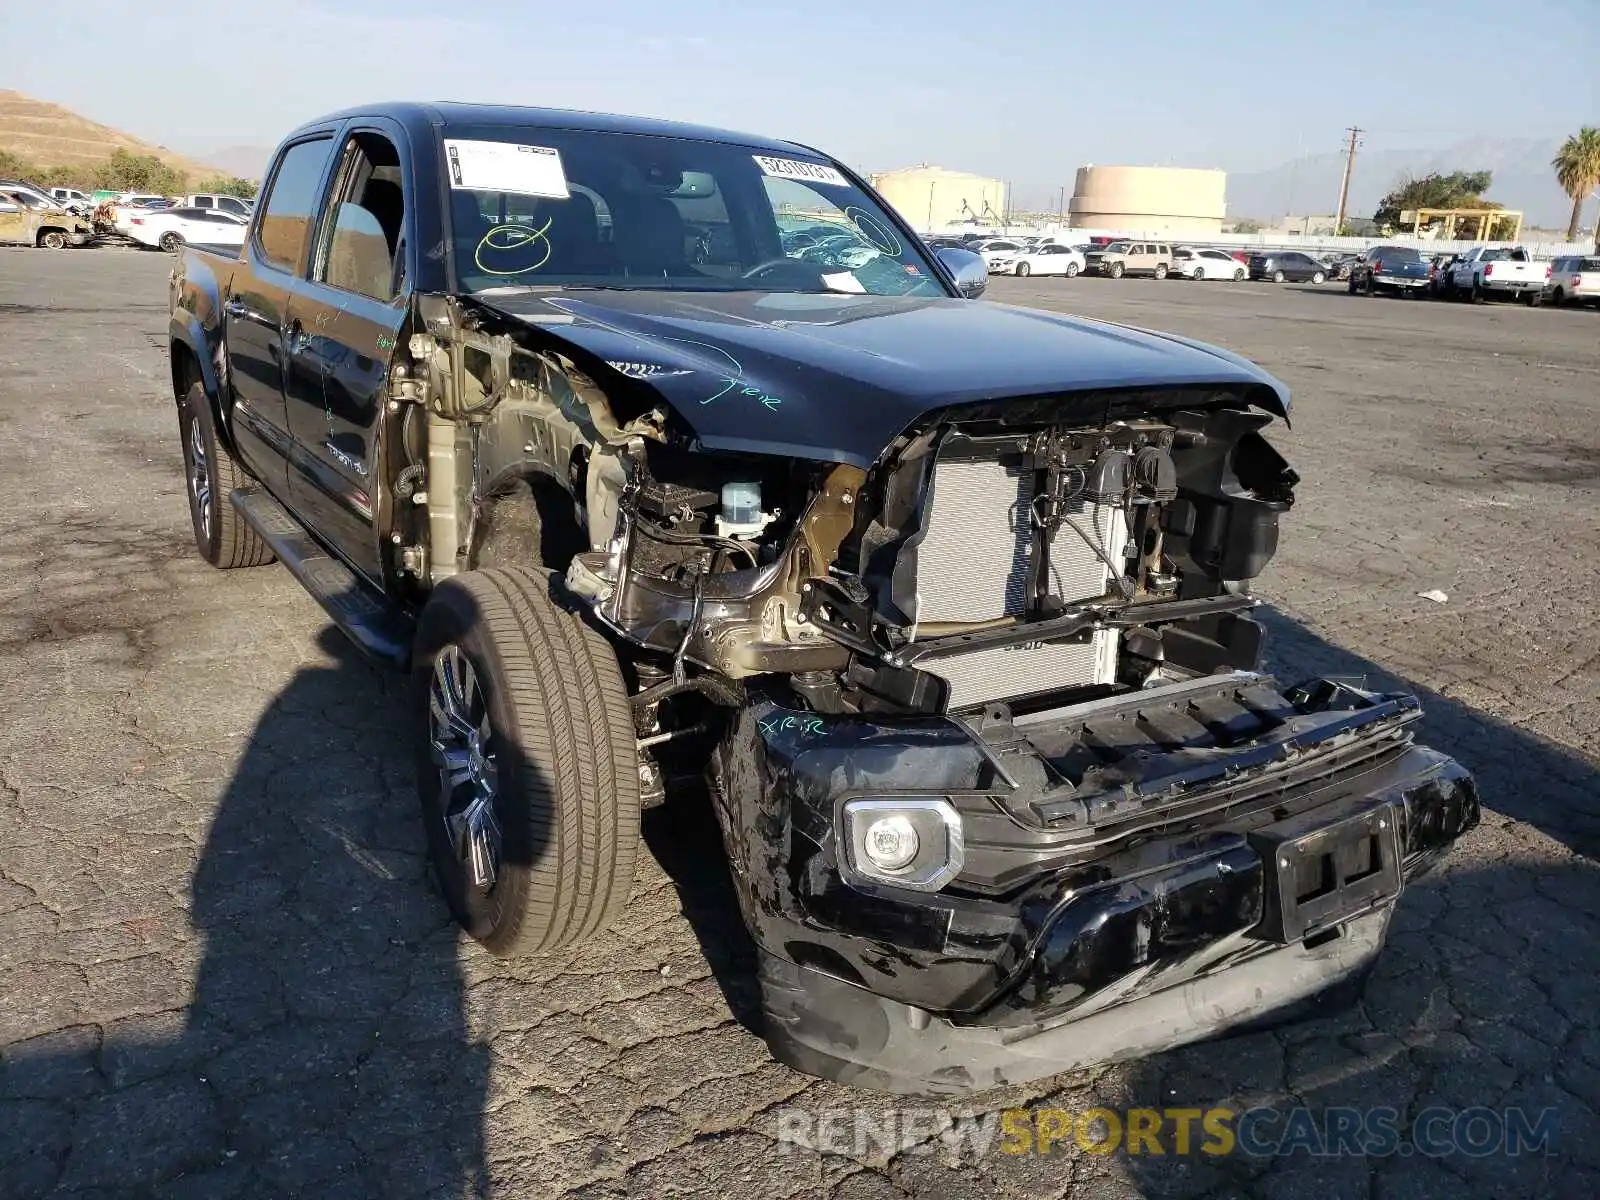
(171, 241)
(1024, 270)
(1117, 270)
(54, 239)
(527, 769)
(1318, 277)
(1161, 270)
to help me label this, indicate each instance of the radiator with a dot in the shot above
(973, 565)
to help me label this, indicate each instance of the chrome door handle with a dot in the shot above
(235, 307)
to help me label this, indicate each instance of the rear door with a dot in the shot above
(345, 320)
(255, 310)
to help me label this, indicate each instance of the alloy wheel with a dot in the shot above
(200, 477)
(463, 749)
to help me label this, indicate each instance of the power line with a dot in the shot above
(1344, 184)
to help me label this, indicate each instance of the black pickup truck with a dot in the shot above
(655, 452)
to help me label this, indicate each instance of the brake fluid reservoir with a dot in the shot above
(741, 514)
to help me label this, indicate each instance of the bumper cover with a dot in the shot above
(1275, 847)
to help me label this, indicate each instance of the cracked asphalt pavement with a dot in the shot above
(224, 971)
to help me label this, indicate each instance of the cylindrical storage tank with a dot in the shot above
(1149, 200)
(932, 198)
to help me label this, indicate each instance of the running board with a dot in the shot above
(380, 630)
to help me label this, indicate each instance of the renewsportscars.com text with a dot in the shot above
(1260, 1132)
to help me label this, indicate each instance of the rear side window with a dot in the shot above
(291, 205)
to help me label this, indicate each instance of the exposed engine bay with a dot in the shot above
(1036, 552)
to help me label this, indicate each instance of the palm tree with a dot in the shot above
(1577, 166)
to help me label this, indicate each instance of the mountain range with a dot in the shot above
(1521, 166)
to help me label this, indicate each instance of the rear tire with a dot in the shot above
(1161, 270)
(171, 241)
(1072, 270)
(1477, 292)
(220, 533)
(1351, 287)
(1535, 299)
(1238, 274)
(1277, 277)
(547, 736)
(1199, 272)
(1318, 278)
(53, 239)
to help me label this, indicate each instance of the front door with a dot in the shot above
(344, 324)
(256, 309)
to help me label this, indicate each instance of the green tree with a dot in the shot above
(12, 166)
(1458, 189)
(245, 189)
(1577, 167)
(126, 172)
(1248, 226)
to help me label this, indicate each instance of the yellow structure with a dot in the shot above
(933, 198)
(1486, 224)
(1149, 200)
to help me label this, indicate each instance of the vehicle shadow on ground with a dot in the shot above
(1482, 998)
(325, 1051)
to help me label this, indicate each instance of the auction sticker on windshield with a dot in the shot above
(805, 172)
(505, 167)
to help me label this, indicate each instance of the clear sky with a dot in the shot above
(1025, 90)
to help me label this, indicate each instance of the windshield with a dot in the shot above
(576, 208)
(1117, 248)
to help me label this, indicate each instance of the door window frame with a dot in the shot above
(258, 255)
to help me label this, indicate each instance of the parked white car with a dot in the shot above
(1207, 264)
(170, 228)
(1049, 260)
(999, 253)
(1500, 270)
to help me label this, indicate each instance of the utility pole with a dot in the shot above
(1344, 184)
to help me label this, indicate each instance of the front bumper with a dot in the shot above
(1062, 943)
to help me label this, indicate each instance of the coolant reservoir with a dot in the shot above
(741, 514)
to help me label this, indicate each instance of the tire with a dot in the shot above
(1535, 299)
(1477, 291)
(1238, 274)
(220, 533)
(1318, 278)
(1277, 277)
(1023, 270)
(53, 239)
(545, 704)
(1351, 287)
(1161, 270)
(171, 241)
(1072, 270)
(1558, 298)
(1199, 273)
(1117, 270)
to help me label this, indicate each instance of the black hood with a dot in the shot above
(836, 377)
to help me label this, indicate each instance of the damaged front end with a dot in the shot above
(1003, 787)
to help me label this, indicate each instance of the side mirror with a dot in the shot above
(970, 271)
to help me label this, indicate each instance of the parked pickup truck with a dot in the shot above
(1499, 270)
(538, 409)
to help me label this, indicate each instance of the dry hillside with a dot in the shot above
(48, 135)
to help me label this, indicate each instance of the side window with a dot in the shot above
(361, 240)
(291, 204)
(203, 202)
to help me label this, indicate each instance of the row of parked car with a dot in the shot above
(60, 217)
(1477, 274)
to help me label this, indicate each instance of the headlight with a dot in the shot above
(908, 841)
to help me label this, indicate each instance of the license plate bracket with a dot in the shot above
(1320, 873)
